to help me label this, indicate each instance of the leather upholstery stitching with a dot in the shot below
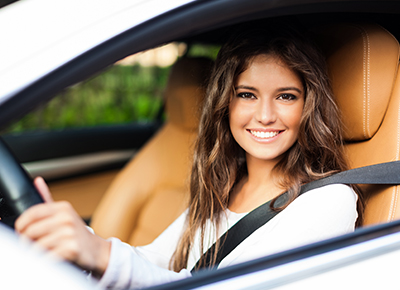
(364, 57)
(366, 82)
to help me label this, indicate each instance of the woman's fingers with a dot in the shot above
(46, 219)
(43, 189)
(56, 227)
(34, 214)
(62, 243)
(39, 211)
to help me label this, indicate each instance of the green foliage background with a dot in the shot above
(121, 94)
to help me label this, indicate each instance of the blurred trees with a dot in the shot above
(121, 94)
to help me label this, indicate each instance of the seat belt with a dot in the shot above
(383, 173)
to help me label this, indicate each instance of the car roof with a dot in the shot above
(60, 43)
(53, 33)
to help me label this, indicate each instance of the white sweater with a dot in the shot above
(316, 215)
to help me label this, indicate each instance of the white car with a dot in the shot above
(51, 45)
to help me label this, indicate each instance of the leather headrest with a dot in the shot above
(362, 63)
(185, 91)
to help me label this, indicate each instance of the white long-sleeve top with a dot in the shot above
(316, 215)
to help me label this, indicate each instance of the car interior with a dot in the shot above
(363, 62)
(140, 201)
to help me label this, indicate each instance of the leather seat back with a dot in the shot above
(363, 61)
(152, 190)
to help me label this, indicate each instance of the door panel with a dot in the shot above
(79, 164)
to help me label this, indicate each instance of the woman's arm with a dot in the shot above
(137, 267)
(56, 227)
(129, 268)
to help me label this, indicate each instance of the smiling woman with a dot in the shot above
(265, 114)
(264, 119)
(232, 169)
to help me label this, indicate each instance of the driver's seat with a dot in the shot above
(363, 61)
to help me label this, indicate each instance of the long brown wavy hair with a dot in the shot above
(219, 162)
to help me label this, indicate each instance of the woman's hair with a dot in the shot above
(219, 162)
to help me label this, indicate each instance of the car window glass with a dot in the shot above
(129, 91)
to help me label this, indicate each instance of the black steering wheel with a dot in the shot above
(16, 187)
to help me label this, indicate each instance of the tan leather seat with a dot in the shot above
(363, 61)
(152, 190)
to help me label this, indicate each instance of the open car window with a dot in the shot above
(118, 109)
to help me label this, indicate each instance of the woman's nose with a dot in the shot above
(266, 112)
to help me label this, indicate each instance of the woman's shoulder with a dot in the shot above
(329, 199)
(331, 207)
(332, 192)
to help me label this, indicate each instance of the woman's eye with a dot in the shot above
(246, 95)
(287, 97)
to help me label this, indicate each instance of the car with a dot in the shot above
(51, 47)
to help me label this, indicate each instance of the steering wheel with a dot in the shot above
(16, 186)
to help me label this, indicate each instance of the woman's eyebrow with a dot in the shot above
(244, 87)
(290, 89)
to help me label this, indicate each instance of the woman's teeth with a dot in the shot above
(260, 134)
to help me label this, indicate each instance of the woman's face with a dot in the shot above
(265, 113)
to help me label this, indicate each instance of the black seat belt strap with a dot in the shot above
(383, 173)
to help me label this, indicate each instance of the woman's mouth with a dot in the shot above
(263, 134)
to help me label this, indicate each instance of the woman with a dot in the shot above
(269, 125)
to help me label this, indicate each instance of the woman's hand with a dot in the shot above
(58, 228)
